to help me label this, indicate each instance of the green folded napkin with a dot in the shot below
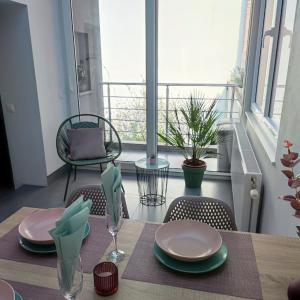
(68, 235)
(112, 183)
(74, 208)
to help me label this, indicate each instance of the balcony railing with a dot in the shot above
(125, 104)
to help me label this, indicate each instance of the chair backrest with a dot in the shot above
(96, 194)
(207, 210)
(112, 140)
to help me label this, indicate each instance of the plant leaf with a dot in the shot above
(287, 157)
(293, 155)
(193, 127)
(286, 163)
(297, 214)
(287, 197)
(296, 162)
(295, 204)
(290, 156)
(294, 182)
(288, 173)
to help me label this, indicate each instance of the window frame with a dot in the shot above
(264, 114)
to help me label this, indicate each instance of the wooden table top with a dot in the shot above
(277, 261)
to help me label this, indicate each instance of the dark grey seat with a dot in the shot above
(96, 194)
(207, 210)
(112, 142)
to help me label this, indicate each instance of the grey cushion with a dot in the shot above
(86, 143)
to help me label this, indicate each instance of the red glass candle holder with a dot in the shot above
(106, 278)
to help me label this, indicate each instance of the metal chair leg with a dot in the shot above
(101, 170)
(67, 185)
(75, 173)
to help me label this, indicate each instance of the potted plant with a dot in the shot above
(290, 160)
(192, 131)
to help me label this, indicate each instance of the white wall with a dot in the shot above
(48, 56)
(277, 214)
(19, 97)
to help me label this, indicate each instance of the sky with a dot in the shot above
(197, 40)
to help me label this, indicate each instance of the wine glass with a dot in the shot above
(114, 223)
(70, 277)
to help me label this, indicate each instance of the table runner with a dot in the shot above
(33, 292)
(237, 277)
(92, 250)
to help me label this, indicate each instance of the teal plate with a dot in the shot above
(45, 249)
(18, 296)
(204, 266)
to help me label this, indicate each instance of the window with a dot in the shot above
(277, 22)
(136, 60)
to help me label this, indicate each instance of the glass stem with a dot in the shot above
(115, 241)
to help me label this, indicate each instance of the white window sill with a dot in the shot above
(265, 134)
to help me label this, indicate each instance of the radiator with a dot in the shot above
(246, 180)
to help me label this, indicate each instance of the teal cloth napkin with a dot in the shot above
(68, 235)
(112, 184)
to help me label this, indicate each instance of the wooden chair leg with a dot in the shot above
(68, 180)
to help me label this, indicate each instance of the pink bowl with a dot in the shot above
(35, 227)
(6, 291)
(188, 240)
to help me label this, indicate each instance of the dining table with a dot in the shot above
(277, 260)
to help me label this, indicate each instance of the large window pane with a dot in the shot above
(202, 48)
(266, 53)
(198, 40)
(282, 62)
(122, 30)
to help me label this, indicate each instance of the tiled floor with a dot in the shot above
(52, 195)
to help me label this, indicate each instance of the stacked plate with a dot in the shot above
(34, 231)
(189, 246)
(7, 292)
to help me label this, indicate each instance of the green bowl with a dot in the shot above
(18, 296)
(45, 249)
(203, 266)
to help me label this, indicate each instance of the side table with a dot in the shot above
(152, 180)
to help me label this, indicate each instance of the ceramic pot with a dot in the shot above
(193, 176)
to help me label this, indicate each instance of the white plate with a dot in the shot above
(35, 227)
(6, 291)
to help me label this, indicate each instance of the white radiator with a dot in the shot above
(246, 181)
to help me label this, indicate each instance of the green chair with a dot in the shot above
(112, 142)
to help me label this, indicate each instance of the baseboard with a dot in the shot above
(56, 174)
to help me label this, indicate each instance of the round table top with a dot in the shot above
(144, 163)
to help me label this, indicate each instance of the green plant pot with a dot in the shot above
(193, 176)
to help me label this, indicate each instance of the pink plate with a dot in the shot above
(35, 227)
(188, 240)
(6, 291)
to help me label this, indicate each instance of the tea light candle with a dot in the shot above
(106, 278)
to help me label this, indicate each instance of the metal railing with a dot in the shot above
(226, 94)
